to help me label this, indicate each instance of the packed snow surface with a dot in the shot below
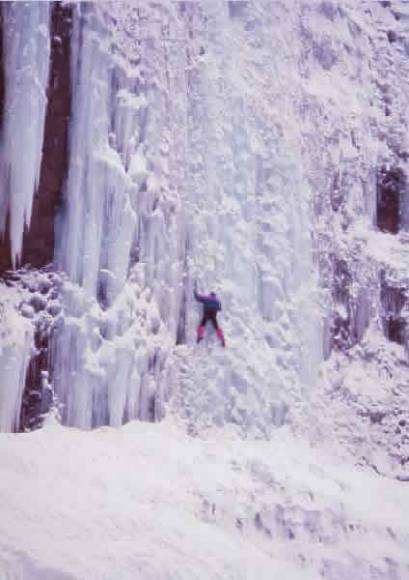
(147, 501)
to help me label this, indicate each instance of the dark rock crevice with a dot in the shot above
(343, 334)
(393, 302)
(2, 80)
(391, 185)
(38, 243)
(181, 335)
(41, 304)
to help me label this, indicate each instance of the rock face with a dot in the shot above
(2, 80)
(391, 194)
(256, 148)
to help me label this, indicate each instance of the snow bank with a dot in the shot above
(148, 501)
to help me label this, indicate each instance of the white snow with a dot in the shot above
(149, 502)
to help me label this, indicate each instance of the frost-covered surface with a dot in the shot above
(110, 366)
(26, 51)
(30, 309)
(16, 337)
(147, 501)
(361, 397)
(110, 352)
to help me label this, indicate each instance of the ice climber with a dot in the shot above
(211, 306)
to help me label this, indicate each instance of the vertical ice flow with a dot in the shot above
(26, 64)
(173, 178)
(113, 216)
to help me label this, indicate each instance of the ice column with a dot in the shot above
(97, 224)
(104, 367)
(26, 62)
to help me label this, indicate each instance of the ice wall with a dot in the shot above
(250, 216)
(120, 236)
(254, 148)
(26, 50)
(182, 172)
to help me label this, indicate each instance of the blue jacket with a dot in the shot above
(210, 303)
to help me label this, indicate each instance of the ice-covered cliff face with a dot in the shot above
(257, 148)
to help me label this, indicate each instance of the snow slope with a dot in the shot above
(147, 501)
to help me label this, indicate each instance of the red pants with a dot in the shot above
(212, 316)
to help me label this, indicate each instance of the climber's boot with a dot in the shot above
(220, 336)
(200, 333)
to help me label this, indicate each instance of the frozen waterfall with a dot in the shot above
(166, 186)
(248, 147)
(154, 149)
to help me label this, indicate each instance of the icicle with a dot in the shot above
(105, 363)
(26, 61)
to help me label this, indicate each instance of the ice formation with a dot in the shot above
(236, 215)
(216, 143)
(26, 49)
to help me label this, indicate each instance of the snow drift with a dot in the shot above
(149, 502)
